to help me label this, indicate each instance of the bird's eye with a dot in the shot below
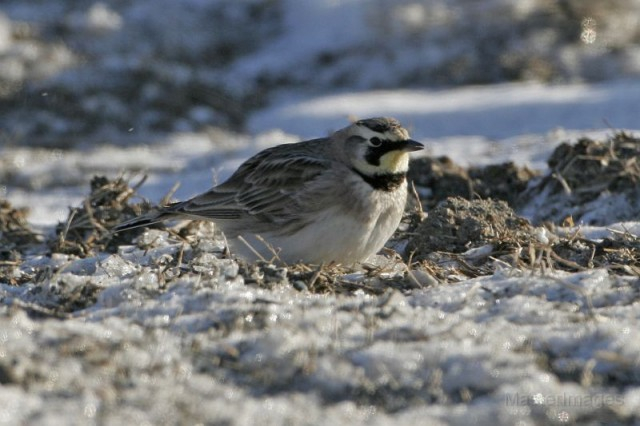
(375, 142)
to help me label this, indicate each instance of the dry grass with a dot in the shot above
(87, 229)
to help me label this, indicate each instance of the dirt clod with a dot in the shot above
(444, 178)
(457, 225)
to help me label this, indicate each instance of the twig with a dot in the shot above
(414, 191)
(316, 275)
(140, 183)
(410, 271)
(42, 310)
(565, 262)
(90, 215)
(270, 248)
(167, 198)
(250, 247)
(63, 236)
(180, 255)
(565, 186)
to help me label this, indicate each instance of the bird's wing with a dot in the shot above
(266, 188)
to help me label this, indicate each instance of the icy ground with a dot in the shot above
(502, 349)
(146, 342)
(166, 331)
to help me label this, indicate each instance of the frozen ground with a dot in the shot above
(146, 338)
(166, 331)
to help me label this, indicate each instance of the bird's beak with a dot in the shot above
(410, 145)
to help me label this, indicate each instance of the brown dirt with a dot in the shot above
(442, 244)
(445, 179)
(457, 225)
(592, 182)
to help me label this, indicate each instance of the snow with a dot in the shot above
(161, 345)
(481, 335)
(467, 111)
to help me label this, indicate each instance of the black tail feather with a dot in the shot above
(138, 222)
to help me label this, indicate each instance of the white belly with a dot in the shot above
(332, 236)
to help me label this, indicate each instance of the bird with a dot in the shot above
(332, 199)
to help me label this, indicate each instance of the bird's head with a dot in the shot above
(378, 146)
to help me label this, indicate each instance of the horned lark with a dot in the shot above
(338, 198)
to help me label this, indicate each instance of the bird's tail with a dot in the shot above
(150, 218)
